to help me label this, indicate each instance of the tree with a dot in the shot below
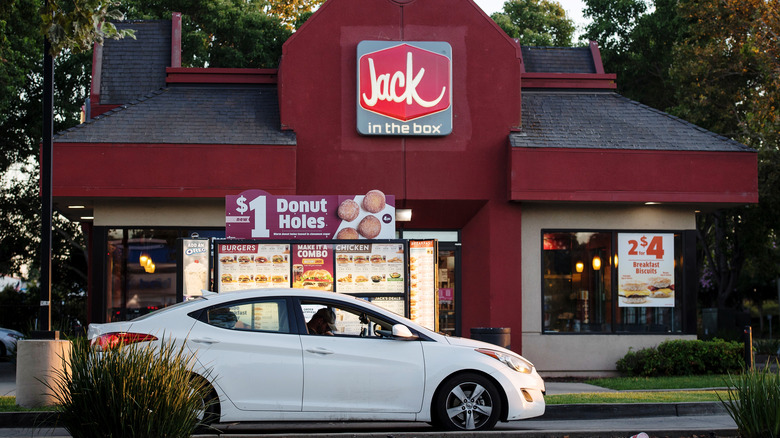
(221, 33)
(72, 28)
(290, 11)
(636, 45)
(536, 22)
(727, 71)
(713, 63)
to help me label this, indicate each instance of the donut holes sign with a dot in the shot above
(404, 88)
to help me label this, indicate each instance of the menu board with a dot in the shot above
(370, 268)
(193, 267)
(646, 270)
(423, 293)
(252, 265)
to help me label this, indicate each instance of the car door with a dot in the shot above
(255, 359)
(351, 373)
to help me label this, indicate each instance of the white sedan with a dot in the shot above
(267, 362)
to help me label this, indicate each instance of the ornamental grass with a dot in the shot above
(137, 390)
(754, 402)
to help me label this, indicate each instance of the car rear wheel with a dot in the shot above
(208, 411)
(467, 402)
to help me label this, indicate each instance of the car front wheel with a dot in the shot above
(467, 402)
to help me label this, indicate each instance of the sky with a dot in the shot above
(573, 10)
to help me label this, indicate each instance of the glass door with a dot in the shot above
(449, 291)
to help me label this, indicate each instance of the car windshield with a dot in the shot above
(191, 301)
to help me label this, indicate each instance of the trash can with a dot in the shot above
(500, 336)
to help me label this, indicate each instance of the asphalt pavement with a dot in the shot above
(574, 421)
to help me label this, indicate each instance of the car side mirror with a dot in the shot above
(401, 331)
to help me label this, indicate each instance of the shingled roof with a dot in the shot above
(558, 59)
(131, 68)
(190, 114)
(607, 120)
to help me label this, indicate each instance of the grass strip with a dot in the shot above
(670, 382)
(635, 397)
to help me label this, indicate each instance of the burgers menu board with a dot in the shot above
(423, 293)
(252, 265)
(646, 270)
(370, 268)
(313, 266)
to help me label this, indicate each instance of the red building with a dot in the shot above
(545, 169)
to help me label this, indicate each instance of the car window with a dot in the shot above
(261, 315)
(343, 320)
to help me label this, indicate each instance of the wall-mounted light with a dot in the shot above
(616, 261)
(403, 214)
(579, 266)
(145, 260)
(596, 263)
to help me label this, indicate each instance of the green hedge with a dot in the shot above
(684, 358)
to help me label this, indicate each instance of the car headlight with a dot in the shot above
(517, 363)
(15, 336)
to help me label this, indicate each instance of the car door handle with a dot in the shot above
(319, 350)
(207, 341)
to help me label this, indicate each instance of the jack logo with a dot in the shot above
(402, 82)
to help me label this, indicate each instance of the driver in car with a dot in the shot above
(323, 322)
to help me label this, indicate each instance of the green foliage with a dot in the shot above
(682, 358)
(754, 402)
(766, 346)
(77, 25)
(221, 33)
(131, 391)
(536, 22)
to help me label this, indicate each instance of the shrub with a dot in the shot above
(130, 391)
(754, 402)
(683, 358)
(769, 347)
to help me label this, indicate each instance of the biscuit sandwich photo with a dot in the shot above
(660, 287)
(633, 292)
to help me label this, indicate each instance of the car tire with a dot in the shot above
(209, 411)
(466, 402)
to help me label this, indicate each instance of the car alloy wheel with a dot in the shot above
(467, 402)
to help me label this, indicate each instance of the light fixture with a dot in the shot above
(652, 203)
(616, 260)
(76, 207)
(596, 263)
(579, 266)
(403, 214)
(87, 218)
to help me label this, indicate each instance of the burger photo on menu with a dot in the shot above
(244, 279)
(227, 278)
(317, 279)
(277, 259)
(244, 259)
(660, 287)
(342, 258)
(360, 259)
(260, 278)
(633, 292)
(261, 259)
(376, 258)
(278, 279)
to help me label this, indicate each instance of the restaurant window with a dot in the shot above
(586, 290)
(141, 269)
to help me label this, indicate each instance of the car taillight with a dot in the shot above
(113, 340)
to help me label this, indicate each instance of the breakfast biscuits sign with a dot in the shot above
(404, 88)
(646, 269)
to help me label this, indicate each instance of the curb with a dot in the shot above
(552, 413)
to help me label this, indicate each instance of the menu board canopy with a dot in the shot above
(256, 214)
(646, 270)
